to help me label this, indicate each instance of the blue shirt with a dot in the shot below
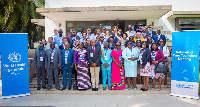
(106, 58)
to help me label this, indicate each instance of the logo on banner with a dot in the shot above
(14, 57)
(14, 68)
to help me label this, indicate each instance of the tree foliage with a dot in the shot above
(16, 15)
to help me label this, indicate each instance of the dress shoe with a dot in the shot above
(141, 88)
(109, 88)
(93, 89)
(69, 88)
(104, 88)
(63, 88)
(144, 89)
(38, 88)
(44, 87)
(48, 88)
(96, 89)
(58, 88)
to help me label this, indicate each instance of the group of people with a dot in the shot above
(110, 58)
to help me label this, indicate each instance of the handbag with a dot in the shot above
(75, 87)
(161, 67)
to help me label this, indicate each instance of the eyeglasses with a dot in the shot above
(117, 45)
(138, 42)
(161, 41)
(103, 29)
(129, 43)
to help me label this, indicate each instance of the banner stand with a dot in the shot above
(185, 64)
(14, 65)
(14, 96)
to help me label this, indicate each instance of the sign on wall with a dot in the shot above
(185, 64)
(14, 65)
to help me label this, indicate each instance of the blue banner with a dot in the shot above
(14, 65)
(185, 64)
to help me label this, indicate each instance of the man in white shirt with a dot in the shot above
(130, 31)
(55, 33)
(50, 39)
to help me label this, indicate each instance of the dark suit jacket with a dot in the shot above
(153, 33)
(155, 38)
(96, 56)
(115, 40)
(37, 63)
(57, 58)
(61, 47)
(70, 58)
(70, 41)
(146, 56)
(113, 46)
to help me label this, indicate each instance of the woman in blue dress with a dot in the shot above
(130, 55)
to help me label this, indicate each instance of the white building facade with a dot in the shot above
(169, 15)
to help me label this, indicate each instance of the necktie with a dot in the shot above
(93, 50)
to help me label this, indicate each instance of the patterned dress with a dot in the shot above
(118, 75)
(146, 70)
(83, 78)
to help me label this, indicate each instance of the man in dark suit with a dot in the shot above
(94, 57)
(62, 46)
(150, 31)
(39, 65)
(72, 39)
(67, 65)
(53, 60)
(159, 36)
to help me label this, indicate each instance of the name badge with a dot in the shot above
(153, 58)
(81, 57)
(91, 54)
(41, 59)
(52, 56)
(65, 60)
(106, 58)
(120, 58)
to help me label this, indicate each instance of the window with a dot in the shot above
(187, 24)
(69, 26)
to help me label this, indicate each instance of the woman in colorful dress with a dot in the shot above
(145, 67)
(156, 57)
(118, 76)
(81, 65)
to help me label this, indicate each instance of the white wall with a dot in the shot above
(168, 24)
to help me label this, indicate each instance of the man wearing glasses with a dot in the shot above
(150, 31)
(103, 32)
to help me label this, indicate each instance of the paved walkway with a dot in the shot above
(118, 100)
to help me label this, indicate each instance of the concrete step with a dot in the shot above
(61, 79)
(34, 85)
(101, 91)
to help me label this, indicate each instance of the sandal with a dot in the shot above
(153, 88)
(159, 89)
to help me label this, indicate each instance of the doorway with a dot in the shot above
(121, 25)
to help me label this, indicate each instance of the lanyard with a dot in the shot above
(118, 50)
(42, 51)
(52, 51)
